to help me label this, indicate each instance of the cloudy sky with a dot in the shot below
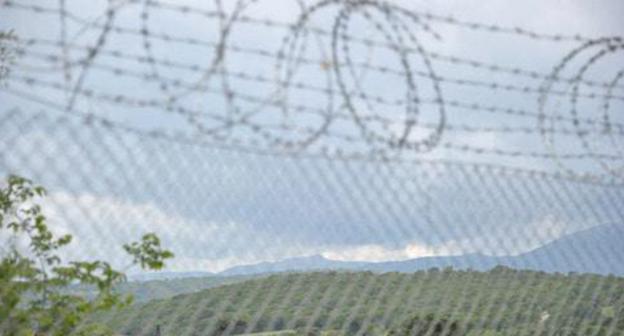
(233, 197)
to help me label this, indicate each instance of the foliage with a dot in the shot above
(34, 278)
(428, 325)
(148, 252)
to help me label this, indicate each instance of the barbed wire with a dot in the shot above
(311, 92)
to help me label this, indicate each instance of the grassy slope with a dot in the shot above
(452, 302)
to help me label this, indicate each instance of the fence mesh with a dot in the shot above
(250, 131)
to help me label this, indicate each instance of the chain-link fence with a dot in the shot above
(337, 132)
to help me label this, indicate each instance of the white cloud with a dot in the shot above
(377, 253)
(101, 224)
(509, 240)
(512, 239)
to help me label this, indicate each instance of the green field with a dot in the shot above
(499, 302)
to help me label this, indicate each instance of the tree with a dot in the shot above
(34, 299)
(429, 325)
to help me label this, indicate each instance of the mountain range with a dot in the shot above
(599, 250)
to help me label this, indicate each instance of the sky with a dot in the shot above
(234, 196)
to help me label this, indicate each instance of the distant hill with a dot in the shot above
(167, 275)
(597, 250)
(144, 291)
(500, 302)
(311, 263)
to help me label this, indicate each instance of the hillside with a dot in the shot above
(499, 302)
(596, 250)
